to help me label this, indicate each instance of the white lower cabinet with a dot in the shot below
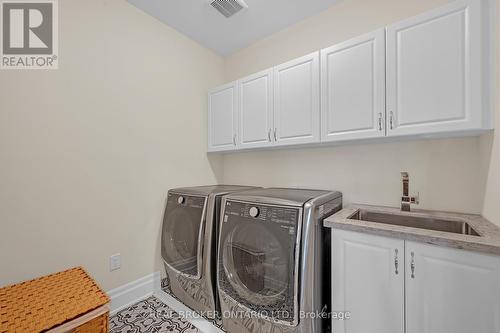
(437, 289)
(368, 281)
(451, 290)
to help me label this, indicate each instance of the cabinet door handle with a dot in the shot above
(269, 135)
(391, 120)
(275, 134)
(412, 265)
(396, 261)
(380, 121)
(234, 139)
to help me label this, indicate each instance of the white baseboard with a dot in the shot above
(133, 292)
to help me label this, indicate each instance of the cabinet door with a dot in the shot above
(256, 110)
(434, 71)
(368, 281)
(222, 117)
(353, 88)
(296, 93)
(451, 290)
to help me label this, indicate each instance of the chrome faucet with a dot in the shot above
(406, 200)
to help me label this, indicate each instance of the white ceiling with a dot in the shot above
(198, 20)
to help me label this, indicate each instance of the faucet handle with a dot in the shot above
(415, 199)
(407, 199)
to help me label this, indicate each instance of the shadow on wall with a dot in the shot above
(158, 259)
(216, 162)
(485, 155)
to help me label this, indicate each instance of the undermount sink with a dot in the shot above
(457, 227)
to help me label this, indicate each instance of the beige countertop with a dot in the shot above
(488, 240)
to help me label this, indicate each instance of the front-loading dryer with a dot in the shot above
(271, 258)
(189, 244)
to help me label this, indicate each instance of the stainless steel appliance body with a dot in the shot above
(270, 259)
(189, 244)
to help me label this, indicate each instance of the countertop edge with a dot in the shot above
(488, 242)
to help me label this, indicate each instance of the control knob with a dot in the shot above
(254, 211)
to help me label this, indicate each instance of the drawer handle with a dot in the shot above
(275, 134)
(269, 135)
(412, 265)
(391, 119)
(380, 121)
(396, 261)
(234, 140)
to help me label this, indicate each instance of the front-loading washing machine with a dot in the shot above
(271, 260)
(189, 244)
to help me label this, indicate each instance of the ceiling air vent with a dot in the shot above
(228, 7)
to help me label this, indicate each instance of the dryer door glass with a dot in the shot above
(258, 261)
(182, 234)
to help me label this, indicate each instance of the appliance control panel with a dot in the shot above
(259, 212)
(186, 200)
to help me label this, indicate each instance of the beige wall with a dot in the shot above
(88, 152)
(445, 172)
(449, 174)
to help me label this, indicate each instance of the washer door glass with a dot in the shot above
(258, 259)
(258, 263)
(182, 234)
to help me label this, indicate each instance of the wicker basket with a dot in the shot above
(68, 301)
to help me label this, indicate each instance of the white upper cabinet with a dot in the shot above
(429, 75)
(296, 101)
(368, 281)
(449, 290)
(222, 117)
(256, 110)
(353, 88)
(434, 81)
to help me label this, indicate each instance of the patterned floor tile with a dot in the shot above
(165, 286)
(149, 315)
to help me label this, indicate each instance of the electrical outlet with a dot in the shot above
(115, 262)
